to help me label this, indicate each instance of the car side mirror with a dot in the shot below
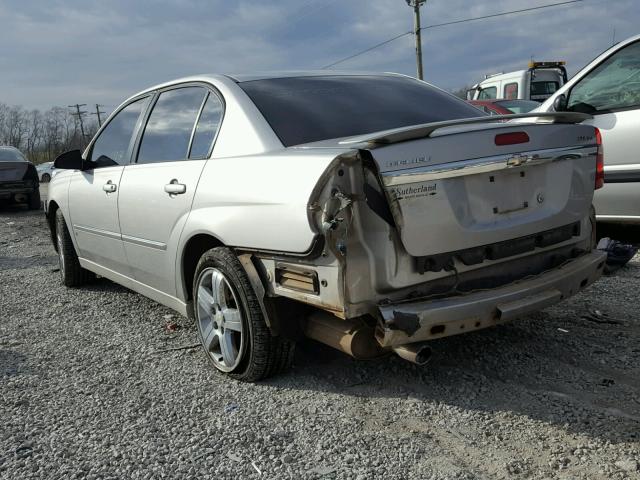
(560, 103)
(71, 160)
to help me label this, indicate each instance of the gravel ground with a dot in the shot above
(88, 389)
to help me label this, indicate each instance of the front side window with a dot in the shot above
(612, 85)
(511, 91)
(207, 127)
(168, 131)
(488, 93)
(112, 147)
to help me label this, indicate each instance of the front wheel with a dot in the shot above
(231, 326)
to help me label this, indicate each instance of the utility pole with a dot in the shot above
(79, 114)
(416, 4)
(98, 112)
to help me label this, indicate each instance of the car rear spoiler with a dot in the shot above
(397, 135)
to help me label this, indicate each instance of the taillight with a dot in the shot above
(512, 138)
(599, 161)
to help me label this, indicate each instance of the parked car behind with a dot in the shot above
(46, 171)
(608, 88)
(504, 107)
(18, 178)
(367, 212)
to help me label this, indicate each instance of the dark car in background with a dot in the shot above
(18, 179)
(504, 107)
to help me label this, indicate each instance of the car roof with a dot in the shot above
(248, 77)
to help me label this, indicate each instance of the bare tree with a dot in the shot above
(42, 136)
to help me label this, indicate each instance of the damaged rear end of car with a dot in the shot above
(440, 229)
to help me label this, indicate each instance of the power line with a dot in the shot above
(368, 49)
(502, 14)
(465, 20)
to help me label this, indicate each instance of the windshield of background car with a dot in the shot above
(309, 109)
(612, 85)
(11, 155)
(520, 106)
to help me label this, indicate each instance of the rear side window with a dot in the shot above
(309, 109)
(207, 127)
(488, 93)
(168, 131)
(112, 147)
(511, 91)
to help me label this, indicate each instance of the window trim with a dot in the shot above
(136, 128)
(209, 89)
(579, 80)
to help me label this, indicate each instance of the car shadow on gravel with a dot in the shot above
(102, 284)
(514, 369)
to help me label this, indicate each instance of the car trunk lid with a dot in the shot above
(468, 186)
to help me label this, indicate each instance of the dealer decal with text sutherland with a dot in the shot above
(414, 191)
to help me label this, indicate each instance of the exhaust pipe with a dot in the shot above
(418, 353)
(352, 337)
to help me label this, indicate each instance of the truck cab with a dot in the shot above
(538, 82)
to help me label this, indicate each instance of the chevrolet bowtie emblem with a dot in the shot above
(517, 160)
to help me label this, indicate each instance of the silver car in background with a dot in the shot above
(366, 211)
(46, 171)
(608, 89)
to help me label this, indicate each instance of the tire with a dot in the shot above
(228, 314)
(34, 200)
(71, 273)
(46, 178)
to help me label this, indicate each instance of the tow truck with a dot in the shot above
(538, 82)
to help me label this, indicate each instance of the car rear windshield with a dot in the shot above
(518, 106)
(544, 88)
(11, 155)
(309, 109)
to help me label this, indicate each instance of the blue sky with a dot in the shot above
(59, 52)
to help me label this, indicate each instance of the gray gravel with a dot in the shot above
(88, 390)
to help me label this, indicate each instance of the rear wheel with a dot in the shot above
(71, 273)
(230, 322)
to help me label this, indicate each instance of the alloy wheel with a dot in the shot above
(219, 319)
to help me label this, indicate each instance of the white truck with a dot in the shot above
(538, 82)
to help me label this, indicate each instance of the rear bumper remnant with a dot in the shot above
(425, 320)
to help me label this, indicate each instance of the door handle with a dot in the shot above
(175, 188)
(109, 187)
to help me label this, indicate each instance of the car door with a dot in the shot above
(157, 190)
(611, 93)
(93, 192)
